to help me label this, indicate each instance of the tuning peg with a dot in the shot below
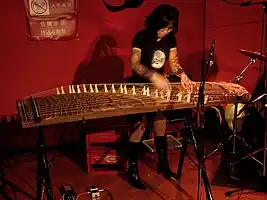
(84, 88)
(78, 89)
(73, 90)
(133, 90)
(58, 92)
(62, 90)
(125, 89)
(96, 88)
(113, 88)
(91, 88)
(105, 88)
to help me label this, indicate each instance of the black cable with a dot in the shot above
(204, 39)
(242, 191)
(236, 4)
(109, 194)
(261, 43)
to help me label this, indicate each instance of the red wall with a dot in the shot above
(27, 67)
(234, 27)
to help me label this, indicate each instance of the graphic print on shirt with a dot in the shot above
(158, 59)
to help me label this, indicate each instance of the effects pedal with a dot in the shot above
(67, 192)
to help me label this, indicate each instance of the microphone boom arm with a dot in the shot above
(240, 75)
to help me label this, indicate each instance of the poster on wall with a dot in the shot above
(51, 19)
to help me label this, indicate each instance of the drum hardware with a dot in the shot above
(251, 155)
(256, 55)
(238, 78)
(259, 98)
(236, 114)
(263, 177)
(233, 136)
(240, 75)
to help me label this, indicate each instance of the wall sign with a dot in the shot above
(53, 28)
(51, 19)
(39, 7)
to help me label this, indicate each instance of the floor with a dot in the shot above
(65, 171)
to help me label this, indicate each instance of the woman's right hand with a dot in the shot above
(161, 82)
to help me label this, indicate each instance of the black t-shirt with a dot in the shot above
(154, 53)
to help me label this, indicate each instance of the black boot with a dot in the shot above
(162, 151)
(133, 156)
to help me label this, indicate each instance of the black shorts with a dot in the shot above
(168, 115)
(149, 117)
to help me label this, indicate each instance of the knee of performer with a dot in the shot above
(159, 117)
(159, 127)
(138, 131)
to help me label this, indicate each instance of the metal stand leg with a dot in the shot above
(42, 174)
(234, 136)
(181, 161)
(15, 189)
(4, 194)
(202, 174)
(220, 145)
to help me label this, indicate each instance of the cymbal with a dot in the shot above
(255, 54)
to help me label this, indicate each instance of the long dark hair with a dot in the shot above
(161, 17)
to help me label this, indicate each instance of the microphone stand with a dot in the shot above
(200, 125)
(198, 147)
(199, 150)
(202, 174)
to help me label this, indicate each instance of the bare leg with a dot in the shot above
(159, 126)
(139, 130)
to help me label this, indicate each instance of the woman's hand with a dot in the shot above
(160, 81)
(186, 82)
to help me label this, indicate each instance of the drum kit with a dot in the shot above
(244, 121)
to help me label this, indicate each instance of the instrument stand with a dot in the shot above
(43, 166)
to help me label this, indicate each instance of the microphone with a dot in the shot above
(212, 53)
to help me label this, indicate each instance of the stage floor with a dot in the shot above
(23, 168)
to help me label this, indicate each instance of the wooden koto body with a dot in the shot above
(91, 101)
